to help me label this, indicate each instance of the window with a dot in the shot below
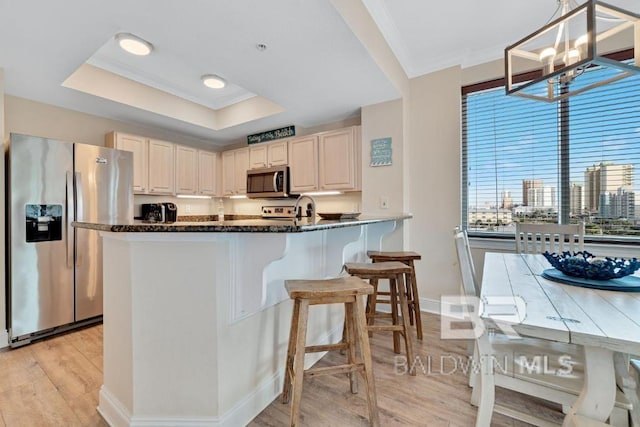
(574, 160)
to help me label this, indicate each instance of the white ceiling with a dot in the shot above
(314, 68)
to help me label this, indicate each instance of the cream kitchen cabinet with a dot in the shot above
(161, 167)
(186, 170)
(339, 159)
(268, 154)
(303, 164)
(207, 162)
(138, 145)
(235, 164)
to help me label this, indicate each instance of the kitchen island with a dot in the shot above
(196, 317)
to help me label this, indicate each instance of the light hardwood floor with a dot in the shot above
(56, 382)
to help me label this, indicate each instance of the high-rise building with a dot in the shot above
(527, 184)
(605, 178)
(542, 197)
(620, 204)
(576, 203)
(507, 200)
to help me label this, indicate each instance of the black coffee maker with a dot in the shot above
(170, 212)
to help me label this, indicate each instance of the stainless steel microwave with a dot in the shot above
(267, 183)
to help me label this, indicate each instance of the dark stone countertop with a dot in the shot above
(238, 225)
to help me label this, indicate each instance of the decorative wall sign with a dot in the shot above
(381, 152)
(270, 135)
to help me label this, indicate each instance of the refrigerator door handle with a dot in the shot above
(79, 209)
(70, 215)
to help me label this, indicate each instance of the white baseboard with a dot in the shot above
(110, 408)
(430, 305)
(4, 339)
(116, 415)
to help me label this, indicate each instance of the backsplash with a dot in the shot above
(348, 202)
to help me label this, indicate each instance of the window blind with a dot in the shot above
(512, 164)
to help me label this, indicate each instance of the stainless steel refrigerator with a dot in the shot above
(55, 270)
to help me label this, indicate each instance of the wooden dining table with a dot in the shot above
(605, 323)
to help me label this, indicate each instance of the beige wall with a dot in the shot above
(382, 121)
(434, 180)
(34, 118)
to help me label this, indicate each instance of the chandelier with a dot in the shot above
(547, 64)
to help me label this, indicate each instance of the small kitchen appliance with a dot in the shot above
(170, 212)
(159, 212)
(152, 212)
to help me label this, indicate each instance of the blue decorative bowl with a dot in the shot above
(587, 266)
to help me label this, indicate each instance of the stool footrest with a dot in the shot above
(382, 315)
(325, 347)
(373, 328)
(334, 370)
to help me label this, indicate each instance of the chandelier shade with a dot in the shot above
(547, 64)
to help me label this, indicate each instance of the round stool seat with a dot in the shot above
(378, 269)
(343, 286)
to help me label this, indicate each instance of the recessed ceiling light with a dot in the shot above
(134, 44)
(213, 81)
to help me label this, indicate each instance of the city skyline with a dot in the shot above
(510, 140)
(607, 191)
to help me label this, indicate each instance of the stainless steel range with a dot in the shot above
(278, 212)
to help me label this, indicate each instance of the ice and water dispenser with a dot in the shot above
(43, 222)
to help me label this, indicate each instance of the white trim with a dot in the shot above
(429, 305)
(110, 408)
(4, 339)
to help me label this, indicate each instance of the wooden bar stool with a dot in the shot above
(345, 290)
(395, 272)
(412, 285)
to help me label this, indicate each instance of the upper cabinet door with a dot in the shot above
(241, 167)
(161, 167)
(186, 170)
(337, 160)
(228, 173)
(207, 173)
(277, 154)
(303, 164)
(139, 147)
(258, 156)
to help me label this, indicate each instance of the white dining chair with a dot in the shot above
(501, 362)
(536, 238)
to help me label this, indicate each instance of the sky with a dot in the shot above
(518, 137)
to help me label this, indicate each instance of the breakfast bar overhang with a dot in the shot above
(196, 317)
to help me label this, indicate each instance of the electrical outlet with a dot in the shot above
(187, 209)
(384, 202)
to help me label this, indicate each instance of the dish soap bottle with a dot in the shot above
(220, 210)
